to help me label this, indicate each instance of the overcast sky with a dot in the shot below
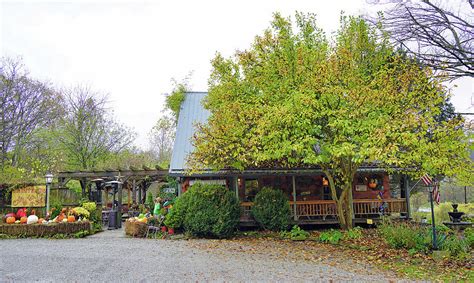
(132, 49)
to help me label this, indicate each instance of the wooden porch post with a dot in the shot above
(407, 194)
(140, 189)
(235, 183)
(295, 217)
(134, 192)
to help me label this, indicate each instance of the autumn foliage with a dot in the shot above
(296, 99)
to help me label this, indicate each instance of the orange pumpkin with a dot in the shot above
(11, 220)
(71, 218)
(23, 220)
(372, 185)
(60, 217)
(40, 221)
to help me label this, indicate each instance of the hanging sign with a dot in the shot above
(31, 196)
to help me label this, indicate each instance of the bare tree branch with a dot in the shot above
(440, 34)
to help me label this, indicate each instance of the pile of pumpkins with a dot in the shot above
(20, 217)
(141, 218)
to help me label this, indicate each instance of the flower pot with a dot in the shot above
(171, 231)
(163, 228)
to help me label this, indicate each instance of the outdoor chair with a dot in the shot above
(154, 229)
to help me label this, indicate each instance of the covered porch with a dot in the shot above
(325, 212)
(309, 194)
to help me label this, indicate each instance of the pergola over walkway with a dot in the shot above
(133, 179)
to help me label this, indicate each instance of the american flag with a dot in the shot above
(436, 193)
(427, 179)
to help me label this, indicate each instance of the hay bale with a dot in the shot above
(42, 230)
(135, 229)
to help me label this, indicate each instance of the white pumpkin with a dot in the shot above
(32, 219)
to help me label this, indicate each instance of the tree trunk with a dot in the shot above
(343, 201)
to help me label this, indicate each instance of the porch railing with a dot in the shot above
(323, 209)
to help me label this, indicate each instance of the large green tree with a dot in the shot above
(294, 99)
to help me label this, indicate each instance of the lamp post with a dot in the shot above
(49, 181)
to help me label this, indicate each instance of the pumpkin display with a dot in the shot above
(32, 219)
(11, 214)
(60, 217)
(23, 220)
(71, 218)
(11, 220)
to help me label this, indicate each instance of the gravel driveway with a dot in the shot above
(109, 256)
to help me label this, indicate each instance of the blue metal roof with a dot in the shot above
(191, 112)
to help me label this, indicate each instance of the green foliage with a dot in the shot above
(175, 217)
(354, 233)
(95, 215)
(206, 211)
(81, 234)
(469, 236)
(456, 246)
(271, 209)
(56, 208)
(81, 212)
(89, 206)
(296, 234)
(175, 99)
(404, 236)
(331, 236)
(150, 201)
(355, 97)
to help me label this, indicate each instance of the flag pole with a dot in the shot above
(433, 225)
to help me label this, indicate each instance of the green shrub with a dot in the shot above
(89, 206)
(296, 234)
(271, 209)
(456, 247)
(469, 236)
(331, 236)
(354, 233)
(206, 211)
(175, 217)
(150, 202)
(81, 212)
(404, 236)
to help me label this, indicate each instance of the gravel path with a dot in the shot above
(109, 256)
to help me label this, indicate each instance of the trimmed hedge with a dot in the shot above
(41, 230)
(271, 209)
(206, 211)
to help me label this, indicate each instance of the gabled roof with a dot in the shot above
(192, 112)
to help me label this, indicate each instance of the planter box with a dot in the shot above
(41, 230)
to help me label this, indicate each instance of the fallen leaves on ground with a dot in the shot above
(367, 255)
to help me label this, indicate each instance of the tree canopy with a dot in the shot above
(297, 99)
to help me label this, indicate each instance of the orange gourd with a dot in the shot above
(23, 220)
(71, 218)
(41, 220)
(60, 217)
(11, 220)
(372, 185)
